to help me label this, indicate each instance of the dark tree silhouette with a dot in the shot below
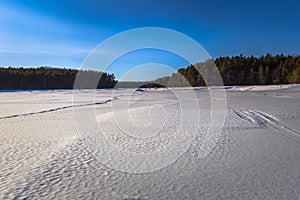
(50, 78)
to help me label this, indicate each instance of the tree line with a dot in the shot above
(235, 70)
(52, 78)
(239, 70)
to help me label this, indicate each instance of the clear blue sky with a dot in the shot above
(61, 33)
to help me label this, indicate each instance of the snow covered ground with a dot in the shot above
(50, 147)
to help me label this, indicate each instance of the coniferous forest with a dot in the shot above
(240, 70)
(236, 70)
(50, 78)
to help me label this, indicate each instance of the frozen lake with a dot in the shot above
(51, 147)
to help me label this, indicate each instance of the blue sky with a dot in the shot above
(62, 33)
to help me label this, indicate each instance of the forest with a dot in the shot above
(51, 78)
(235, 70)
(239, 70)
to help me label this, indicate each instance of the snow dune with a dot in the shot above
(50, 144)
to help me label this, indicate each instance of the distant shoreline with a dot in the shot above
(241, 88)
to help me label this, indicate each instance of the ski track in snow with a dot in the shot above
(263, 119)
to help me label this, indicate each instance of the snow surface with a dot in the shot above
(256, 156)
